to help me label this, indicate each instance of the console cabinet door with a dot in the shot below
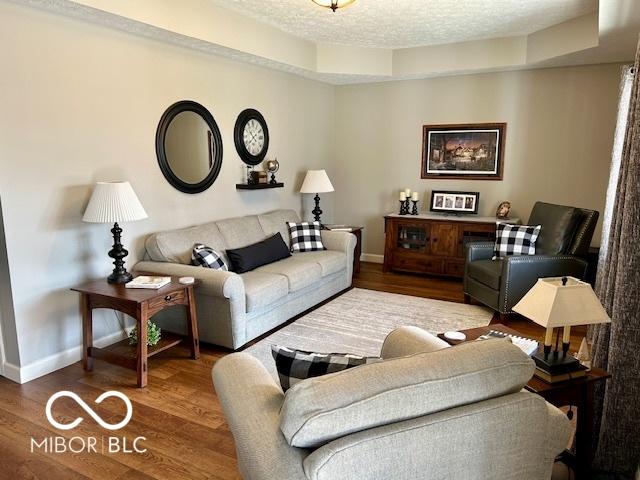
(444, 239)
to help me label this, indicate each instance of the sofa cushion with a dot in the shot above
(487, 272)
(558, 227)
(261, 253)
(175, 246)
(318, 410)
(276, 221)
(300, 273)
(262, 289)
(239, 232)
(331, 261)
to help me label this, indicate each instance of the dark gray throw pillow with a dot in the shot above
(253, 256)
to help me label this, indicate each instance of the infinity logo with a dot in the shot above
(89, 410)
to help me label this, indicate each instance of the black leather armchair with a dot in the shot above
(561, 249)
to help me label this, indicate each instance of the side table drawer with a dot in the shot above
(167, 300)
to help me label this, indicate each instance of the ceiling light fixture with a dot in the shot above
(333, 4)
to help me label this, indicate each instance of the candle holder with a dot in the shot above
(407, 206)
(414, 211)
(403, 210)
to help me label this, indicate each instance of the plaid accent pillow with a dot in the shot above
(207, 257)
(305, 236)
(296, 365)
(515, 240)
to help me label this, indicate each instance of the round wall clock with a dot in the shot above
(251, 136)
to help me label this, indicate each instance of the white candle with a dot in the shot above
(403, 196)
(407, 192)
(414, 196)
(566, 335)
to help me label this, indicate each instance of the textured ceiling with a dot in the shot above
(410, 23)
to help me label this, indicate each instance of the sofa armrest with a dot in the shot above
(340, 241)
(251, 401)
(479, 251)
(218, 283)
(521, 272)
(409, 340)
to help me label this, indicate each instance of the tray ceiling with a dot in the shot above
(410, 23)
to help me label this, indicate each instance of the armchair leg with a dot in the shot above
(467, 299)
(502, 318)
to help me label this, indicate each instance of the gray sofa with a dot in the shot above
(426, 412)
(233, 309)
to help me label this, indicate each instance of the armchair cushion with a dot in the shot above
(487, 272)
(318, 410)
(558, 227)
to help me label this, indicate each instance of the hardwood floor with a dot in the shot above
(178, 413)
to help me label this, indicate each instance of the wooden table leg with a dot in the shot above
(192, 325)
(87, 332)
(584, 432)
(142, 345)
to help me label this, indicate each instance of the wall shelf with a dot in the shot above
(258, 186)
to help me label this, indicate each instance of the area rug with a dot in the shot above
(359, 320)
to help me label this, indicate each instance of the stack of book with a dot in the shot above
(144, 281)
(558, 372)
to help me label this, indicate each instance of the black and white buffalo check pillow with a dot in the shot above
(515, 240)
(296, 365)
(305, 236)
(207, 257)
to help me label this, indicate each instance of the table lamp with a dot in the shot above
(316, 181)
(560, 302)
(113, 202)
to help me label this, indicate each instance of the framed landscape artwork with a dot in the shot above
(470, 151)
(454, 202)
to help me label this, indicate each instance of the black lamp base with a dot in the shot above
(118, 253)
(317, 211)
(555, 362)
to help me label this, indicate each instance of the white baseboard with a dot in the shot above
(372, 257)
(56, 361)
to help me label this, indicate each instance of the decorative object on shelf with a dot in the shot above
(446, 201)
(272, 167)
(113, 202)
(153, 335)
(403, 203)
(503, 210)
(316, 181)
(249, 176)
(333, 4)
(189, 147)
(470, 151)
(251, 136)
(560, 302)
(414, 210)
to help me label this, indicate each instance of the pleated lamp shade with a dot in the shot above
(113, 202)
(316, 181)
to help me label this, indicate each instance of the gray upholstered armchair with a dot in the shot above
(560, 250)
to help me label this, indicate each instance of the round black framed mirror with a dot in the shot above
(189, 147)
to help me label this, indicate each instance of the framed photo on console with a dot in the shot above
(470, 151)
(454, 202)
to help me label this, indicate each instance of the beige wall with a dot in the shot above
(560, 126)
(79, 104)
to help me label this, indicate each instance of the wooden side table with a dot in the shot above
(577, 392)
(140, 304)
(357, 231)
